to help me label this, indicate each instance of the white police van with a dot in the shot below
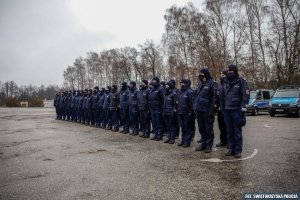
(259, 101)
(286, 100)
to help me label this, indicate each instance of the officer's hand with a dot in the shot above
(244, 109)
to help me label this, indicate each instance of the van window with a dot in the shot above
(253, 94)
(287, 93)
(259, 97)
(266, 95)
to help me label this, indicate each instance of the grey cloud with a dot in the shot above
(39, 39)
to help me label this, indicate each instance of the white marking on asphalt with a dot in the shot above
(267, 126)
(218, 160)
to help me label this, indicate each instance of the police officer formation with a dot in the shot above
(162, 109)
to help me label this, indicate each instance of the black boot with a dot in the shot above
(171, 142)
(237, 155)
(167, 141)
(153, 138)
(229, 153)
(180, 144)
(208, 150)
(185, 145)
(200, 148)
(221, 144)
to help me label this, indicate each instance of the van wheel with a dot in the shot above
(255, 112)
(272, 114)
(297, 114)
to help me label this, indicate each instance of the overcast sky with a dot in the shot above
(40, 38)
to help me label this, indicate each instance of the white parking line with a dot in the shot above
(218, 160)
(267, 126)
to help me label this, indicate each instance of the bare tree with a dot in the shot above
(80, 72)
(284, 43)
(151, 57)
(261, 37)
(70, 77)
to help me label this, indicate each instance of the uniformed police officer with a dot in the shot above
(123, 96)
(76, 110)
(169, 112)
(143, 104)
(95, 107)
(133, 108)
(175, 117)
(100, 105)
(73, 106)
(184, 102)
(68, 105)
(235, 97)
(220, 112)
(80, 107)
(107, 115)
(55, 104)
(88, 107)
(163, 124)
(113, 107)
(156, 98)
(204, 107)
(63, 105)
(84, 101)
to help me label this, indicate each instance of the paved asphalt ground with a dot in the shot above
(42, 158)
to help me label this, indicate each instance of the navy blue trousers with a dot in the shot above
(185, 125)
(170, 125)
(234, 131)
(157, 123)
(134, 120)
(205, 126)
(124, 119)
(145, 122)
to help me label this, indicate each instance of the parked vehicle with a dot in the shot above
(286, 100)
(259, 100)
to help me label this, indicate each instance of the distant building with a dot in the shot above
(23, 102)
(48, 103)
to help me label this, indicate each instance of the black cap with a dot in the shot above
(145, 81)
(133, 83)
(205, 71)
(170, 84)
(115, 87)
(156, 79)
(184, 81)
(232, 67)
